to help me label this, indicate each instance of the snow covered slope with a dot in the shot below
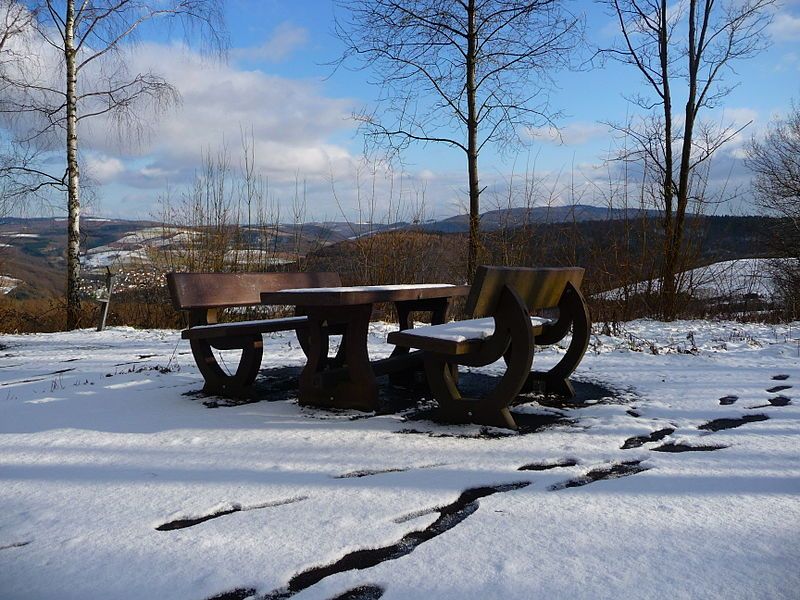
(676, 476)
(723, 280)
(8, 283)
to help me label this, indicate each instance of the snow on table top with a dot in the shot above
(469, 329)
(103, 438)
(370, 288)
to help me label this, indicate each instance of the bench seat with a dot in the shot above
(203, 296)
(456, 337)
(216, 330)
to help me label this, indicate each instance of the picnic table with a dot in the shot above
(348, 380)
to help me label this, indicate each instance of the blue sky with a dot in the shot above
(276, 83)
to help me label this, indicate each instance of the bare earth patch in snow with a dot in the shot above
(674, 474)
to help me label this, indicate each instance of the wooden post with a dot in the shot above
(105, 302)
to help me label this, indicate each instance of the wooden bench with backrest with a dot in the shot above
(501, 326)
(202, 296)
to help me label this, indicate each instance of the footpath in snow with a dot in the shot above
(675, 474)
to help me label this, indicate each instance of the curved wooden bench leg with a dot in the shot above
(573, 312)
(517, 371)
(492, 410)
(512, 322)
(439, 372)
(453, 408)
(302, 332)
(219, 380)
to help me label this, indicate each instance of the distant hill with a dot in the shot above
(610, 250)
(337, 231)
(517, 217)
(32, 250)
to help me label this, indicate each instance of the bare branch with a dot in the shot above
(657, 39)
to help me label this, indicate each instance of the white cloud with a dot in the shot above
(742, 118)
(153, 177)
(785, 27)
(739, 153)
(291, 121)
(573, 134)
(789, 61)
(155, 172)
(739, 117)
(285, 39)
(104, 169)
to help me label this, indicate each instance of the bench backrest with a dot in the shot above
(538, 288)
(218, 290)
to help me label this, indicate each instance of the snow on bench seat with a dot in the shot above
(469, 330)
(455, 337)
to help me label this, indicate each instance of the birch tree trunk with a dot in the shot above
(73, 174)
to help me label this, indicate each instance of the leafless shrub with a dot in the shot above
(227, 220)
(775, 160)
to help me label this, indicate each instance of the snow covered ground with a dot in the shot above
(103, 256)
(677, 475)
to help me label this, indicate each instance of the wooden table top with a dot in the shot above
(366, 294)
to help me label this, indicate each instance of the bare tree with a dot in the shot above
(775, 162)
(683, 51)
(14, 20)
(459, 72)
(75, 68)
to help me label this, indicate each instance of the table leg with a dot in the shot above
(573, 313)
(438, 309)
(352, 386)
